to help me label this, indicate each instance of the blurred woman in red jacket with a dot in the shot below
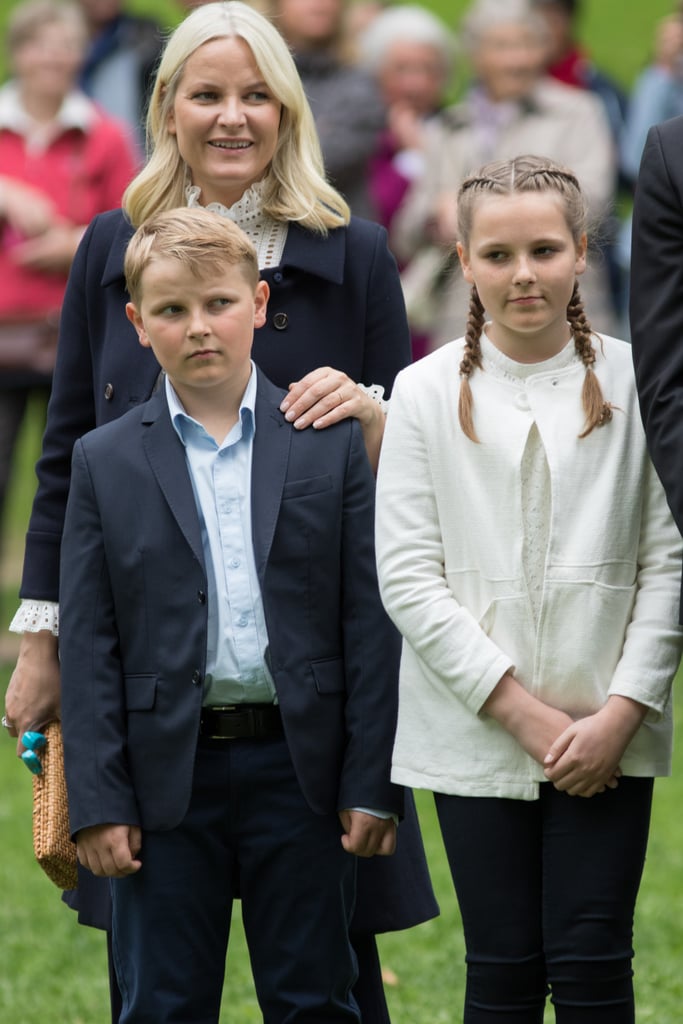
(61, 162)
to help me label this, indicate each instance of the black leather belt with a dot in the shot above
(241, 722)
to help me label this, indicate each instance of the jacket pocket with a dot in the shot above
(329, 675)
(302, 488)
(141, 691)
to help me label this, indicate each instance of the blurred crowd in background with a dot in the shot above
(380, 79)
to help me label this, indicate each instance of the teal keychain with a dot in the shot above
(33, 741)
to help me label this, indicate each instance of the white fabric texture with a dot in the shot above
(450, 540)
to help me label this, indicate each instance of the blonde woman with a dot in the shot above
(230, 129)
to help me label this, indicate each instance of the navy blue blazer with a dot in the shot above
(335, 301)
(133, 617)
(656, 304)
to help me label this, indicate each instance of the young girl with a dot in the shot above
(527, 554)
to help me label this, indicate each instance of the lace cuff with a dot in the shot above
(32, 616)
(376, 393)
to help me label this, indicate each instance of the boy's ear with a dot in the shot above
(261, 296)
(136, 320)
(464, 263)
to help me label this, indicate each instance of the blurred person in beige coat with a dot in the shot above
(510, 108)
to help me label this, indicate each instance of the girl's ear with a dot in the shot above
(136, 320)
(464, 263)
(581, 248)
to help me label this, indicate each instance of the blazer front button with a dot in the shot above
(280, 321)
(109, 392)
(196, 677)
(201, 597)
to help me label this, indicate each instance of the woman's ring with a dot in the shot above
(5, 723)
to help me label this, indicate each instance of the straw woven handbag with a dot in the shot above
(52, 845)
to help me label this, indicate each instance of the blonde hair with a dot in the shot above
(199, 240)
(26, 21)
(508, 177)
(295, 186)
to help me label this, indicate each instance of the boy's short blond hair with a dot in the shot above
(200, 240)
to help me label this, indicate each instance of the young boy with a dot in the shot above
(228, 673)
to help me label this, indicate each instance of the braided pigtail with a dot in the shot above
(471, 358)
(597, 409)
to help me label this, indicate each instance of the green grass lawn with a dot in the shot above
(52, 970)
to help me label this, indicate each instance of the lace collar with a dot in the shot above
(250, 202)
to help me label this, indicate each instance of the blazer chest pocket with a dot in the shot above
(305, 488)
(329, 675)
(141, 691)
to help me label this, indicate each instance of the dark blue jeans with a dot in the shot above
(248, 830)
(547, 892)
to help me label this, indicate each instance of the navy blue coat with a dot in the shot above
(335, 301)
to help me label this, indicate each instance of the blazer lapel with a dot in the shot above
(166, 457)
(269, 468)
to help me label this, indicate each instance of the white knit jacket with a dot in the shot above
(449, 547)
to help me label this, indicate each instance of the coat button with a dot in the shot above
(196, 677)
(201, 597)
(277, 276)
(109, 392)
(280, 321)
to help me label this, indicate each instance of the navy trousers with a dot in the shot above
(547, 891)
(248, 828)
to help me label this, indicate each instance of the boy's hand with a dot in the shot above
(110, 851)
(584, 760)
(365, 835)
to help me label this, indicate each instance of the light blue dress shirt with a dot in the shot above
(236, 669)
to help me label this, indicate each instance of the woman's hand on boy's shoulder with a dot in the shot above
(110, 851)
(326, 396)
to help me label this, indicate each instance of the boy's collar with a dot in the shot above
(178, 412)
